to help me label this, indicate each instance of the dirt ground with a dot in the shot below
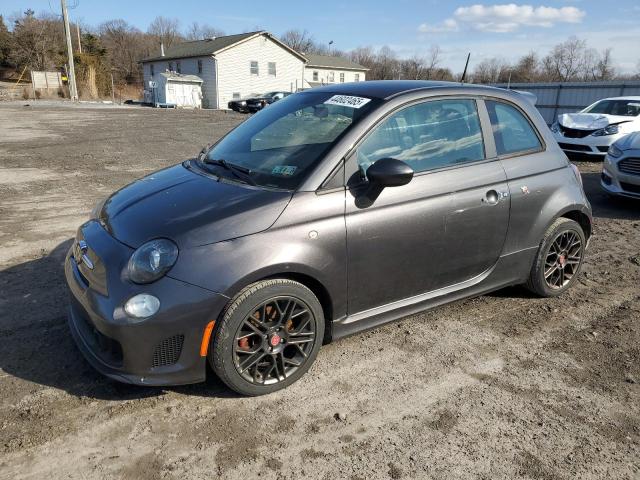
(501, 386)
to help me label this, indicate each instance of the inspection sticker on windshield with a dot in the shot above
(347, 101)
(286, 170)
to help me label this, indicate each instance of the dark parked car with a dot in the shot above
(335, 210)
(257, 102)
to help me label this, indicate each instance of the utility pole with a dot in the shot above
(79, 42)
(73, 91)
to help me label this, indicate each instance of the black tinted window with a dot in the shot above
(512, 132)
(427, 136)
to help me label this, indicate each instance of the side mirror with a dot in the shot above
(386, 172)
(389, 172)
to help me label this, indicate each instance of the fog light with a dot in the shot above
(142, 306)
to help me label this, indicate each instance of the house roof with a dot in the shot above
(173, 76)
(211, 46)
(326, 61)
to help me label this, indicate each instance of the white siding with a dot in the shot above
(189, 66)
(323, 75)
(234, 73)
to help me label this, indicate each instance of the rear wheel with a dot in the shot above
(268, 338)
(559, 259)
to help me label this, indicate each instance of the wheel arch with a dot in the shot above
(581, 218)
(308, 279)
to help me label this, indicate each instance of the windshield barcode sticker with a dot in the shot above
(347, 101)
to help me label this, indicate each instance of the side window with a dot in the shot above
(272, 68)
(178, 69)
(315, 76)
(342, 77)
(332, 77)
(199, 66)
(427, 136)
(253, 68)
(153, 70)
(512, 132)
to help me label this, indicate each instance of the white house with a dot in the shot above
(323, 69)
(232, 66)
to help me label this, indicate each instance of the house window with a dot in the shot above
(170, 66)
(236, 95)
(315, 76)
(356, 77)
(331, 77)
(342, 77)
(254, 68)
(272, 68)
(153, 71)
(199, 66)
(178, 67)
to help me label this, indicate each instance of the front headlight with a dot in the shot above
(555, 127)
(152, 260)
(614, 151)
(609, 130)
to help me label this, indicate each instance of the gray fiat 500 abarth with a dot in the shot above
(332, 211)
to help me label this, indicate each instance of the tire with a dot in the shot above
(563, 263)
(267, 328)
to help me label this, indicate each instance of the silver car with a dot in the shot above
(621, 167)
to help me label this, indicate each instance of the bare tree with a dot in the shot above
(604, 69)
(126, 46)
(565, 61)
(299, 40)
(37, 42)
(165, 30)
(364, 56)
(491, 70)
(198, 31)
(526, 69)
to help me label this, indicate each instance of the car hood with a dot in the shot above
(590, 121)
(629, 142)
(189, 208)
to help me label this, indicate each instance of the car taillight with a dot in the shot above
(576, 172)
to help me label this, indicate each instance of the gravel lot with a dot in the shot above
(501, 386)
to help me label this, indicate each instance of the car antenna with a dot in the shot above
(464, 73)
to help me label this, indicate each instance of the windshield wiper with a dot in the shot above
(238, 171)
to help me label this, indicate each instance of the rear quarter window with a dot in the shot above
(512, 130)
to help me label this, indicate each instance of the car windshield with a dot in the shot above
(625, 108)
(282, 144)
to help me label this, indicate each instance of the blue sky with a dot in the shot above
(407, 26)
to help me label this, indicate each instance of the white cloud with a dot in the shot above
(449, 25)
(510, 17)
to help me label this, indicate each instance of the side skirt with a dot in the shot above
(511, 269)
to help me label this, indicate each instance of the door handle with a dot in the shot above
(492, 197)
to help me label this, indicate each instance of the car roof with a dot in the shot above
(386, 89)
(631, 97)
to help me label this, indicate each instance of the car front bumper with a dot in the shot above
(617, 182)
(161, 350)
(593, 146)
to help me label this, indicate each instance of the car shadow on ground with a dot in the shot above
(608, 206)
(37, 345)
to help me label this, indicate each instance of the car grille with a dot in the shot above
(630, 187)
(168, 351)
(630, 166)
(574, 132)
(571, 146)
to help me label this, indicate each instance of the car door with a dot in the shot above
(446, 226)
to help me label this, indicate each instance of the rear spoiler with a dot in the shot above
(531, 97)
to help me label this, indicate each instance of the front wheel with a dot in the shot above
(268, 338)
(559, 259)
